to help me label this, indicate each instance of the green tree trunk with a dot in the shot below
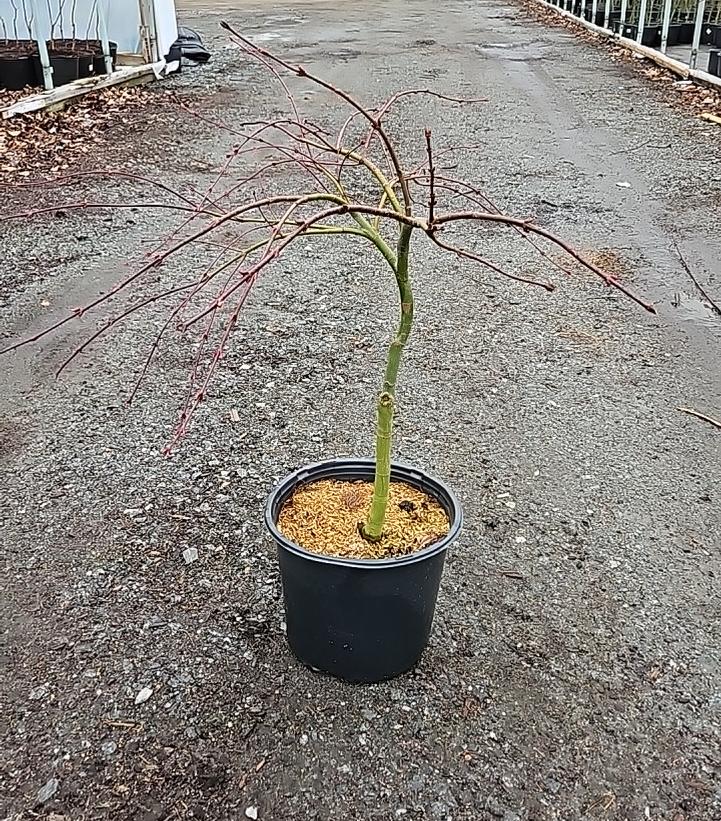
(373, 528)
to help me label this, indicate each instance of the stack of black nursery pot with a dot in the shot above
(70, 59)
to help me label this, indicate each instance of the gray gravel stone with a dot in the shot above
(46, 792)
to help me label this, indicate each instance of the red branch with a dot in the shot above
(262, 228)
(431, 184)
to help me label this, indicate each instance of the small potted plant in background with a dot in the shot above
(361, 542)
(69, 61)
(95, 46)
(16, 55)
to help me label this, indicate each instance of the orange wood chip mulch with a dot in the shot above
(324, 517)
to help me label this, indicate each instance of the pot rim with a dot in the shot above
(401, 472)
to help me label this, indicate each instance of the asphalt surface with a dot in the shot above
(574, 670)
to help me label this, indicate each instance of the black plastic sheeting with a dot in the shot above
(190, 46)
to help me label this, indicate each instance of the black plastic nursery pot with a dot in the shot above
(16, 71)
(711, 34)
(714, 63)
(360, 620)
(651, 34)
(99, 59)
(600, 18)
(686, 34)
(674, 34)
(85, 62)
(67, 66)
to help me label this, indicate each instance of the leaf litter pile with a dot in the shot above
(324, 517)
(53, 141)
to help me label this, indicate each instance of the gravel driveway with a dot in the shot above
(574, 671)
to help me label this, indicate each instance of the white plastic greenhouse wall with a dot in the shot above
(126, 22)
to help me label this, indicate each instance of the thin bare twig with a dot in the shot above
(300, 71)
(715, 422)
(714, 305)
(431, 183)
(228, 213)
(637, 146)
(526, 225)
(461, 252)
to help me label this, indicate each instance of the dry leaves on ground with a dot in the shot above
(47, 142)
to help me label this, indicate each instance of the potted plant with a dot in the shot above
(70, 58)
(361, 542)
(16, 65)
(711, 29)
(95, 47)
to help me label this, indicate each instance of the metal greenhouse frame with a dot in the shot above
(674, 33)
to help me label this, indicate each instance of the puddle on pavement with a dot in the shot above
(689, 308)
(270, 37)
(514, 52)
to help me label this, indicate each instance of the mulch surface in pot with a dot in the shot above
(325, 517)
(70, 46)
(18, 48)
